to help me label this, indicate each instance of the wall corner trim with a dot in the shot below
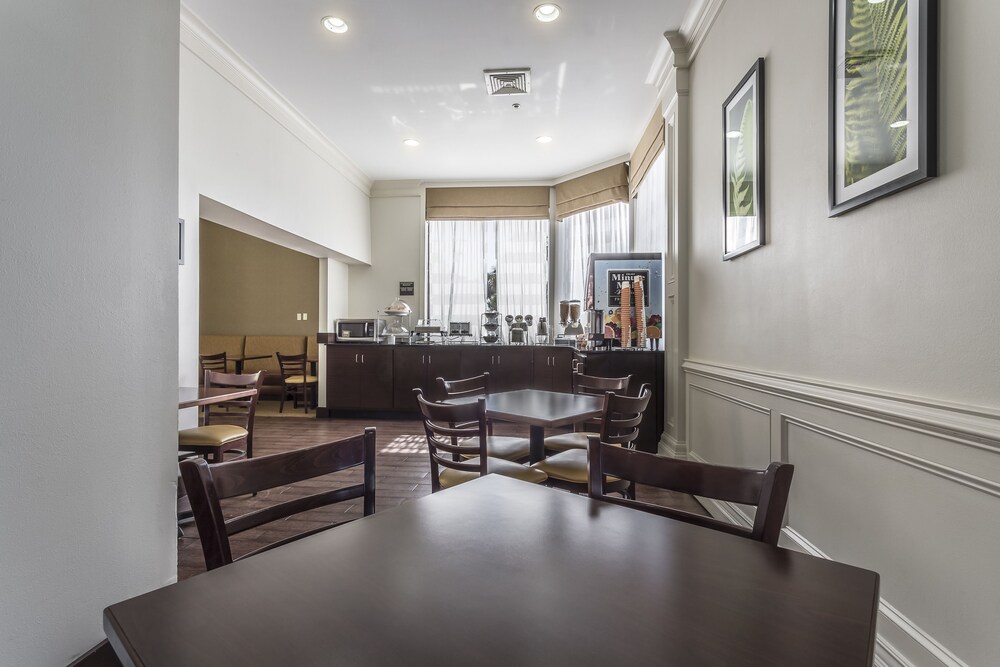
(199, 38)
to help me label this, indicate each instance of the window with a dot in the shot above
(478, 265)
(602, 229)
(651, 209)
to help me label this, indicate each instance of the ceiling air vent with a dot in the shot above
(508, 81)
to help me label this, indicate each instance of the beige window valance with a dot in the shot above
(646, 152)
(598, 188)
(485, 203)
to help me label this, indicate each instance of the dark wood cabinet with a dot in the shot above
(644, 367)
(381, 378)
(509, 366)
(359, 377)
(553, 369)
(420, 366)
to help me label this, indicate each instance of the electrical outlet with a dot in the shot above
(298, 316)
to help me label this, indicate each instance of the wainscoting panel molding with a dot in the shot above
(905, 486)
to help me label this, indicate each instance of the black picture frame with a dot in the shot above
(883, 124)
(742, 133)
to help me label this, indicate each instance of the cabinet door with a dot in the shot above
(408, 372)
(375, 385)
(553, 369)
(477, 360)
(441, 362)
(560, 369)
(511, 369)
(343, 376)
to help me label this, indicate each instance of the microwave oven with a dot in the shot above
(366, 330)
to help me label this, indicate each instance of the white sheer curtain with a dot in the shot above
(522, 261)
(456, 271)
(603, 229)
(651, 209)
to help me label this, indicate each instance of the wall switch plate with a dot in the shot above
(298, 316)
(305, 316)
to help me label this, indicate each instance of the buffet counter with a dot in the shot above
(368, 379)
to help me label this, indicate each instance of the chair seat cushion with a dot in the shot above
(450, 477)
(297, 379)
(209, 436)
(564, 441)
(568, 466)
(507, 447)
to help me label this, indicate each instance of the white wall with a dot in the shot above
(88, 228)
(397, 222)
(245, 147)
(861, 348)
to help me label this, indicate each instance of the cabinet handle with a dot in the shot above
(355, 357)
(498, 360)
(422, 359)
(362, 358)
(428, 359)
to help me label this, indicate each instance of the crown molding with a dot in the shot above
(697, 23)
(205, 43)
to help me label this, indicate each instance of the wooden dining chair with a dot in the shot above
(457, 443)
(295, 379)
(214, 440)
(766, 489)
(620, 419)
(208, 485)
(586, 384)
(508, 447)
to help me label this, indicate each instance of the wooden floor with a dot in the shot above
(402, 474)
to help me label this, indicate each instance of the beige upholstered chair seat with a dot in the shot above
(507, 447)
(216, 434)
(569, 466)
(297, 379)
(564, 441)
(450, 477)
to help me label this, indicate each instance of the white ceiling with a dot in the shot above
(414, 69)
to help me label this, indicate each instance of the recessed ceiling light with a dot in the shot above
(543, 139)
(333, 24)
(898, 124)
(411, 142)
(547, 13)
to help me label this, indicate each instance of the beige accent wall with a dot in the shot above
(253, 287)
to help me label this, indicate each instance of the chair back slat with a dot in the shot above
(623, 415)
(292, 507)
(767, 489)
(292, 364)
(212, 362)
(208, 485)
(466, 387)
(592, 384)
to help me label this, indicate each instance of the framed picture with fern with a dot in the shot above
(743, 176)
(883, 98)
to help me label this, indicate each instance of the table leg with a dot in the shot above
(537, 443)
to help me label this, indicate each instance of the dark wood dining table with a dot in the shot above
(501, 572)
(540, 410)
(192, 397)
